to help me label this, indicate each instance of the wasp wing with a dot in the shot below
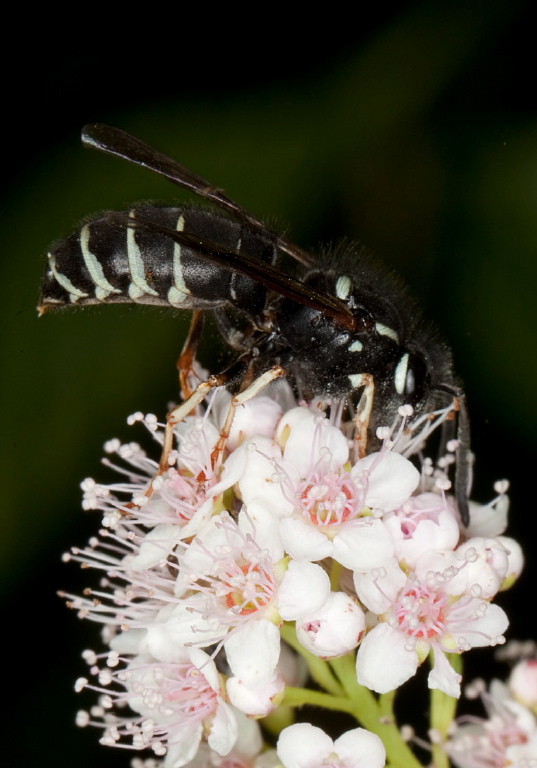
(237, 261)
(121, 144)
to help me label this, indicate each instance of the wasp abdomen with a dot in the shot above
(123, 257)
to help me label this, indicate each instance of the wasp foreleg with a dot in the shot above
(257, 386)
(363, 414)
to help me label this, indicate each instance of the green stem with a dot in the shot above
(347, 695)
(386, 707)
(443, 710)
(375, 715)
(336, 569)
(319, 669)
(297, 697)
(345, 669)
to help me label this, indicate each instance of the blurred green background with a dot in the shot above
(414, 132)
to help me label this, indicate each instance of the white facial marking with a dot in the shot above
(343, 287)
(102, 287)
(383, 330)
(74, 293)
(399, 378)
(139, 284)
(355, 380)
(356, 346)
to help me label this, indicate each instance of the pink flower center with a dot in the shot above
(186, 690)
(178, 690)
(246, 588)
(328, 499)
(507, 736)
(420, 612)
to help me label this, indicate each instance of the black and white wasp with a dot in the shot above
(345, 325)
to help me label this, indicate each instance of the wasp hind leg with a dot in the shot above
(187, 357)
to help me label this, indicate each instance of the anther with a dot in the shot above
(501, 486)
(82, 718)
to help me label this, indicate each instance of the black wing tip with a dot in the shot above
(90, 132)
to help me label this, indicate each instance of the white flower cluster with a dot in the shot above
(278, 524)
(508, 735)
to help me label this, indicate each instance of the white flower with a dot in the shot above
(177, 703)
(333, 502)
(335, 629)
(253, 469)
(490, 519)
(202, 563)
(480, 564)
(306, 746)
(523, 683)
(419, 612)
(424, 522)
(246, 752)
(253, 655)
(257, 417)
(515, 560)
(229, 584)
(507, 737)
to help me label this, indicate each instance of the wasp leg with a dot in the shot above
(180, 412)
(363, 414)
(188, 353)
(464, 461)
(464, 457)
(257, 386)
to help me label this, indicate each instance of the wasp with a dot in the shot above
(344, 325)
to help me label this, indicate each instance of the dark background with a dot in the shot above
(414, 131)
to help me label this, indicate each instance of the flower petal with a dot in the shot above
(303, 541)
(303, 746)
(363, 544)
(224, 730)
(360, 749)
(304, 588)
(253, 651)
(314, 438)
(256, 700)
(377, 589)
(384, 661)
(335, 629)
(391, 479)
(443, 676)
